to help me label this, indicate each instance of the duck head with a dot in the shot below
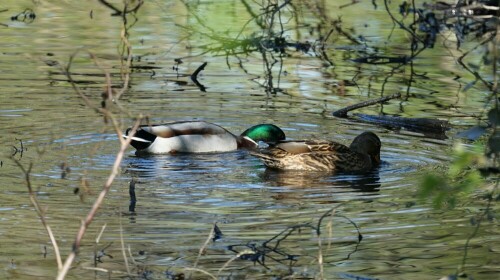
(367, 143)
(268, 133)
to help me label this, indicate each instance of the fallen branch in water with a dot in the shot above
(342, 113)
(194, 76)
(435, 127)
(418, 124)
(125, 10)
(274, 248)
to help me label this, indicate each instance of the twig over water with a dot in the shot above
(342, 113)
(38, 208)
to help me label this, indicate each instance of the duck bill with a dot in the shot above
(376, 159)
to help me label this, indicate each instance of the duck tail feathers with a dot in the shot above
(141, 139)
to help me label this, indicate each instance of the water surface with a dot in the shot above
(180, 197)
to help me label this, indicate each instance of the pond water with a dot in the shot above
(180, 197)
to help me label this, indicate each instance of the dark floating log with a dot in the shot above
(431, 127)
(414, 124)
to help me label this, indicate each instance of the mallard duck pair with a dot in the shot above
(308, 155)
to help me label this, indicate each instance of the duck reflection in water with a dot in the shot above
(358, 182)
(178, 166)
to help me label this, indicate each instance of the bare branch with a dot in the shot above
(342, 113)
(97, 204)
(38, 209)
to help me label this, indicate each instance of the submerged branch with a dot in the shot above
(268, 249)
(194, 76)
(126, 10)
(432, 127)
(419, 124)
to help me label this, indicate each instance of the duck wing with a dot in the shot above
(311, 155)
(308, 146)
(174, 129)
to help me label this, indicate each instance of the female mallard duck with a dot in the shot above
(199, 137)
(312, 155)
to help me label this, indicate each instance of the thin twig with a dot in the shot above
(105, 270)
(131, 256)
(401, 25)
(320, 248)
(97, 204)
(125, 68)
(118, 12)
(476, 229)
(123, 246)
(244, 252)
(98, 238)
(205, 245)
(34, 202)
(56, 247)
(67, 72)
(202, 271)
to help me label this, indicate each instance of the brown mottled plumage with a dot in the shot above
(318, 155)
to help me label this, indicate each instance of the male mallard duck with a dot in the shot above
(199, 137)
(312, 155)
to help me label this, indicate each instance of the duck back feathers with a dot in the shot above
(182, 137)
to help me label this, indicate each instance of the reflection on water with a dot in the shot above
(178, 198)
(366, 182)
